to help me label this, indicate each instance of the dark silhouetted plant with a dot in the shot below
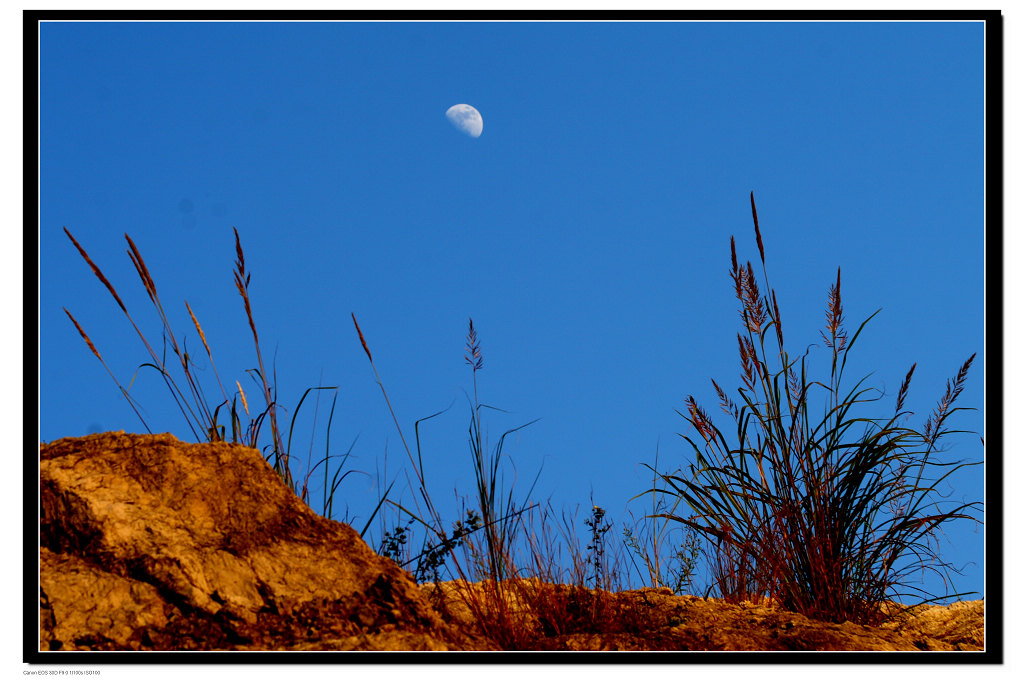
(598, 529)
(428, 564)
(392, 546)
(826, 516)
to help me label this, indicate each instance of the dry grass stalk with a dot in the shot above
(778, 321)
(435, 522)
(834, 317)
(724, 401)
(473, 357)
(209, 354)
(904, 387)
(96, 271)
(242, 280)
(140, 266)
(753, 306)
(362, 340)
(942, 410)
(700, 420)
(85, 337)
(757, 228)
(182, 402)
(92, 347)
(242, 285)
(194, 408)
(241, 392)
(199, 329)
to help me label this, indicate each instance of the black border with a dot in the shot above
(994, 199)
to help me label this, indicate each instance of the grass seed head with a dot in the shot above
(757, 229)
(473, 357)
(836, 337)
(753, 306)
(84, 335)
(362, 340)
(140, 266)
(199, 330)
(245, 403)
(96, 271)
(904, 388)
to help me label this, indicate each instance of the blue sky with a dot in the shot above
(586, 231)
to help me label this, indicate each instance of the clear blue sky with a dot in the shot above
(586, 231)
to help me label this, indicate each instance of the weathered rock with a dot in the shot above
(530, 615)
(152, 543)
(149, 543)
(960, 626)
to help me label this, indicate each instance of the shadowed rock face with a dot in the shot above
(148, 543)
(151, 543)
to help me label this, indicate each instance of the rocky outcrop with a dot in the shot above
(151, 543)
(531, 615)
(148, 543)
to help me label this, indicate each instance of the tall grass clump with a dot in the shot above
(501, 517)
(179, 373)
(812, 504)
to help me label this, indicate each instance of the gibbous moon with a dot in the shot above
(467, 119)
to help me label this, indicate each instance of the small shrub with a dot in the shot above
(392, 546)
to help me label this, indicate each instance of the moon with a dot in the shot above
(467, 119)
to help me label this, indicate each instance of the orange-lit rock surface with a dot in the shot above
(149, 543)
